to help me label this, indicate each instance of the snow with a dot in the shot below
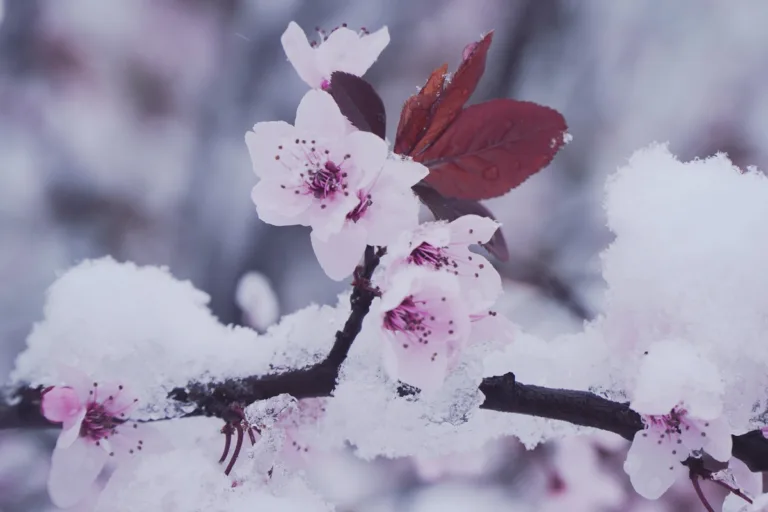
(143, 328)
(686, 264)
(186, 480)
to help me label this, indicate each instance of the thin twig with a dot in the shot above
(700, 493)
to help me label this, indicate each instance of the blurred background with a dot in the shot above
(121, 133)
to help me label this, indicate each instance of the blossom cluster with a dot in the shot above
(354, 192)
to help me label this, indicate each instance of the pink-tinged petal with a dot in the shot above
(416, 365)
(368, 154)
(116, 400)
(406, 172)
(278, 206)
(335, 53)
(135, 439)
(263, 145)
(393, 211)
(70, 431)
(301, 55)
(472, 229)
(319, 116)
(426, 328)
(651, 466)
(61, 404)
(496, 330)
(77, 380)
(73, 470)
(346, 51)
(340, 253)
(480, 281)
(719, 442)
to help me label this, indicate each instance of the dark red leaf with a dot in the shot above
(359, 102)
(450, 208)
(416, 111)
(456, 92)
(493, 147)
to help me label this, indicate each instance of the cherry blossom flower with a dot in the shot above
(673, 372)
(444, 247)
(95, 429)
(386, 208)
(341, 50)
(424, 324)
(342, 184)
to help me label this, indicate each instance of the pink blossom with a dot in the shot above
(445, 247)
(653, 460)
(95, 429)
(341, 50)
(386, 208)
(297, 424)
(424, 324)
(679, 395)
(342, 184)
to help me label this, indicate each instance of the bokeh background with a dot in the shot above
(121, 133)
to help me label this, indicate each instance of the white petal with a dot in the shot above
(73, 470)
(346, 51)
(340, 254)
(278, 206)
(718, 441)
(406, 172)
(263, 145)
(651, 466)
(369, 152)
(71, 431)
(394, 210)
(415, 367)
(472, 229)
(479, 280)
(319, 116)
(301, 55)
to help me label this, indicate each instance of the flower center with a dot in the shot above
(406, 317)
(326, 180)
(98, 423)
(431, 256)
(361, 208)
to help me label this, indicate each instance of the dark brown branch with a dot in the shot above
(502, 393)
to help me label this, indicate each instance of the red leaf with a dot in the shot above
(415, 114)
(457, 92)
(493, 147)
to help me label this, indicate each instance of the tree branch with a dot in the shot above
(502, 393)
